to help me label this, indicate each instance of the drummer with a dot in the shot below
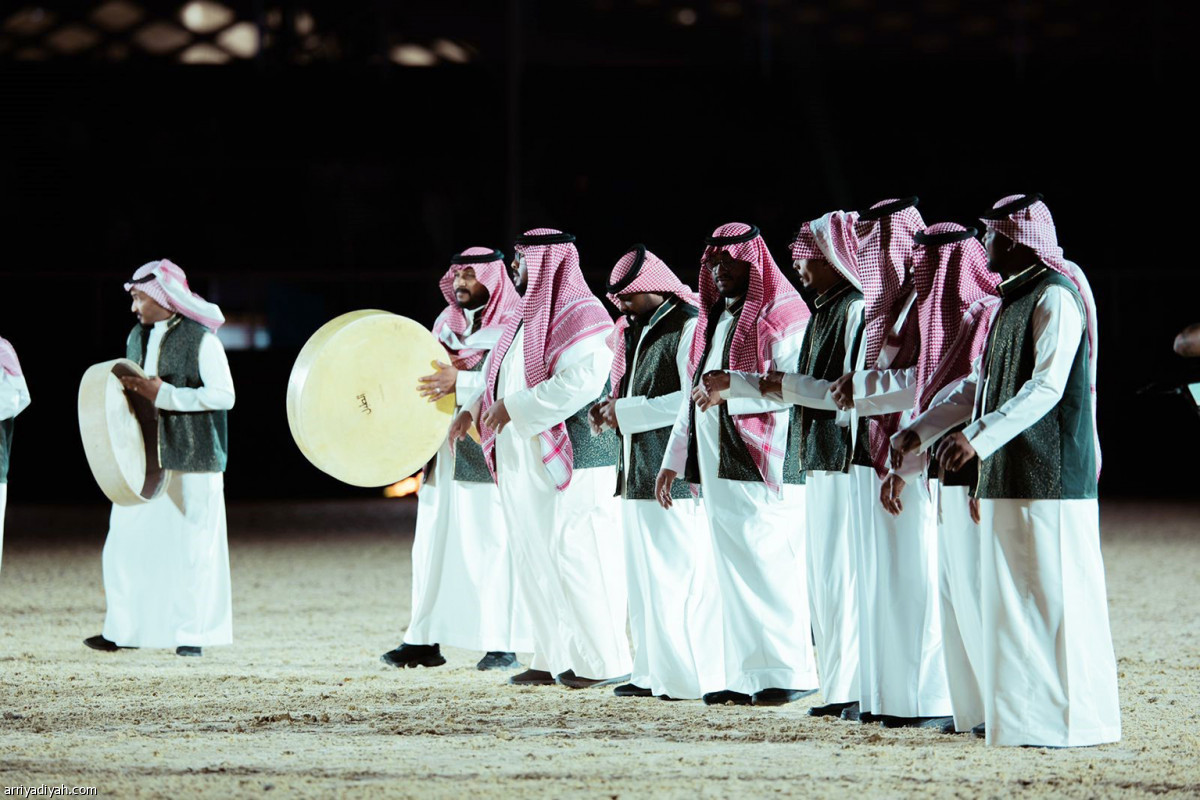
(464, 593)
(166, 562)
(14, 397)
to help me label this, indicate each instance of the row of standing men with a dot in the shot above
(899, 468)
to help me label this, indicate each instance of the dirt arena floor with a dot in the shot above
(301, 706)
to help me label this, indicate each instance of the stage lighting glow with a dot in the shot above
(204, 53)
(412, 55)
(305, 24)
(686, 16)
(117, 15)
(454, 53)
(205, 16)
(29, 21)
(404, 487)
(160, 38)
(240, 39)
(72, 39)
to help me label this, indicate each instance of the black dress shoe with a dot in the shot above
(532, 677)
(948, 726)
(980, 730)
(414, 655)
(104, 645)
(727, 698)
(832, 710)
(915, 722)
(780, 697)
(632, 690)
(187, 650)
(852, 713)
(494, 659)
(572, 681)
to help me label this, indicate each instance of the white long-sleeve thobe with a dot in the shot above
(464, 591)
(166, 561)
(14, 398)
(901, 667)
(758, 536)
(674, 596)
(1049, 671)
(569, 544)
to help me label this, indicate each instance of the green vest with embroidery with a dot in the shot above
(825, 444)
(6, 434)
(657, 374)
(734, 460)
(1055, 458)
(188, 441)
(469, 465)
(590, 451)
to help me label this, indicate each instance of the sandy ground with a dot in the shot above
(301, 706)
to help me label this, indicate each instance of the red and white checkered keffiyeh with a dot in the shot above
(1025, 219)
(956, 302)
(831, 238)
(885, 241)
(557, 311)
(639, 270)
(772, 311)
(8, 358)
(502, 304)
(166, 283)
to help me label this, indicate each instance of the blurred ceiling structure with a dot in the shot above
(453, 33)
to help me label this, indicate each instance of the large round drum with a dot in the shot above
(120, 434)
(352, 401)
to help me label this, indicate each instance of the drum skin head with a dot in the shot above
(352, 401)
(120, 434)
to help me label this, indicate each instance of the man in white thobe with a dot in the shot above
(674, 597)
(737, 446)
(1049, 672)
(902, 673)
(825, 254)
(464, 591)
(14, 398)
(166, 561)
(556, 480)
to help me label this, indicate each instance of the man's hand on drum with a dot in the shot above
(146, 387)
(437, 385)
(460, 426)
(496, 417)
(708, 393)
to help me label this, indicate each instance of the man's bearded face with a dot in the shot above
(469, 293)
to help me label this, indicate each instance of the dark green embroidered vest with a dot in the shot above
(826, 445)
(656, 375)
(469, 465)
(194, 441)
(590, 451)
(6, 434)
(1054, 458)
(736, 463)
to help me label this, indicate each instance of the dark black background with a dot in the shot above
(312, 181)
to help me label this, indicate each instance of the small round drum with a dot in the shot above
(352, 401)
(120, 434)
